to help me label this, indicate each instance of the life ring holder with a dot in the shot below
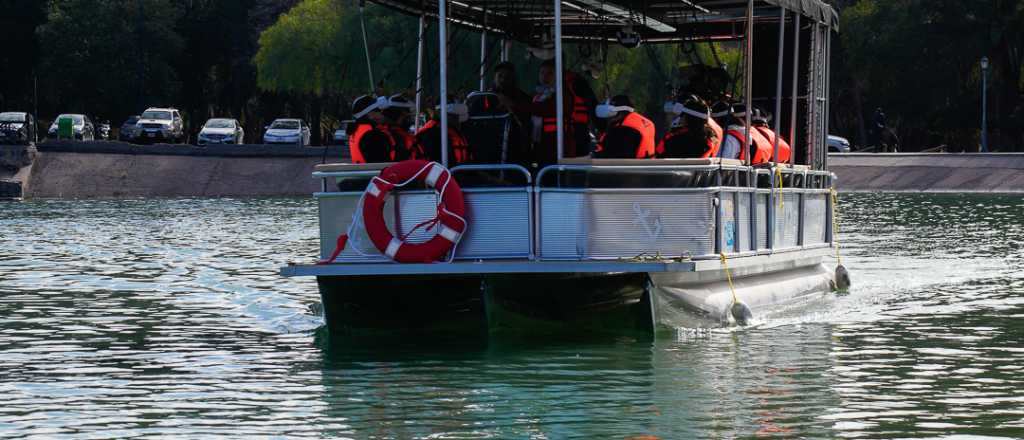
(450, 219)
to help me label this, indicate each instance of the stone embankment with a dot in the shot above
(119, 170)
(929, 172)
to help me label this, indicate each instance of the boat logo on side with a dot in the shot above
(652, 227)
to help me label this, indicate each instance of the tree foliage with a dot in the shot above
(919, 60)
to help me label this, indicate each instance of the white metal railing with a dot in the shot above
(732, 209)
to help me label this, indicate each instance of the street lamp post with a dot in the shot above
(984, 104)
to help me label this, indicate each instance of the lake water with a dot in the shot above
(123, 319)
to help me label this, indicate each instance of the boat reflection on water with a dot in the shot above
(704, 383)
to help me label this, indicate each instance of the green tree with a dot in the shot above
(102, 57)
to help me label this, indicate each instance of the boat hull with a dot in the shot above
(591, 302)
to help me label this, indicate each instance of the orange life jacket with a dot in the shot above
(456, 141)
(644, 126)
(405, 143)
(785, 151)
(354, 147)
(719, 136)
(580, 112)
(763, 148)
(713, 144)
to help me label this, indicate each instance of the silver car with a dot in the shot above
(222, 131)
(838, 144)
(287, 131)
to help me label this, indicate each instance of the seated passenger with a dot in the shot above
(398, 120)
(693, 133)
(369, 140)
(735, 139)
(760, 122)
(429, 136)
(629, 135)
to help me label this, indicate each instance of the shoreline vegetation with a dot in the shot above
(256, 60)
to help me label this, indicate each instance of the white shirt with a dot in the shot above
(730, 148)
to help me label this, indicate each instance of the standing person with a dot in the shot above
(369, 141)
(429, 136)
(514, 100)
(693, 133)
(629, 135)
(398, 121)
(578, 100)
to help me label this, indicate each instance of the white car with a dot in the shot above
(838, 144)
(222, 131)
(287, 131)
(82, 127)
(161, 125)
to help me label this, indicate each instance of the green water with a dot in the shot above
(125, 319)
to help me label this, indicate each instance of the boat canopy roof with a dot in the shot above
(655, 21)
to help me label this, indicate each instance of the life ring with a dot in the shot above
(451, 212)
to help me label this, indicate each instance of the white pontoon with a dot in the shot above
(605, 244)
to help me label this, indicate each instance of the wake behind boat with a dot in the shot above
(622, 245)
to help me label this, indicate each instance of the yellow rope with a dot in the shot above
(835, 225)
(728, 278)
(782, 198)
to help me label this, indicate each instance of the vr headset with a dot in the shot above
(676, 108)
(383, 103)
(607, 110)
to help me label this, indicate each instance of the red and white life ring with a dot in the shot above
(450, 220)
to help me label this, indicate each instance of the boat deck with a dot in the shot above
(525, 267)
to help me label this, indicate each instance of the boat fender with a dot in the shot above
(842, 280)
(450, 220)
(741, 313)
(739, 310)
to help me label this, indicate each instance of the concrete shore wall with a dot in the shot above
(117, 170)
(929, 172)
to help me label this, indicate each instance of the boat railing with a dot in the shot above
(586, 212)
(499, 204)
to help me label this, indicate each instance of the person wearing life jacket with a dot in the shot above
(760, 121)
(629, 135)
(735, 139)
(369, 140)
(578, 101)
(693, 134)
(428, 138)
(398, 120)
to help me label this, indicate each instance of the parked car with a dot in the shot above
(287, 131)
(17, 128)
(340, 136)
(838, 144)
(221, 131)
(161, 125)
(82, 128)
(129, 131)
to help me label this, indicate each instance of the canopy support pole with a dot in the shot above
(442, 31)
(796, 90)
(419, 73)
(483, 52)
(366, 49)
(506, 46)
(559, 99)
(778, 84)
(748, 79)
(828, 96)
